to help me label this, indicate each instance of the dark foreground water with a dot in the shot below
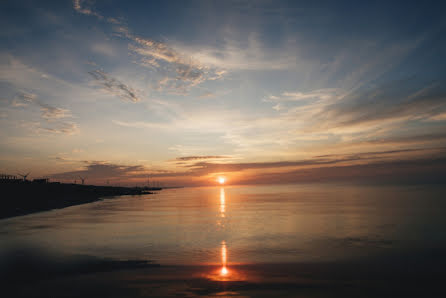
(294, 240)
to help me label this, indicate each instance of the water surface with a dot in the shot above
(223, 229)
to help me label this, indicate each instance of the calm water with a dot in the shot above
(229, 226)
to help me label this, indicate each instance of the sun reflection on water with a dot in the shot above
(223, 272)
(222, 202)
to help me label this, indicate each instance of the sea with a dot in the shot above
(301, 240)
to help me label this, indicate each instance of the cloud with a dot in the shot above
(321, 94)
(418, 139)
(203, 167)
(207, 94)
(200, 157)
(183, 71)
(18, 104)
(28, 97)
(368, 166)
(246, 53)
(410, 166)
(66, 128)
(423, 170)
(82, 6)
(314, 98)
(141, 124)
(52, 115)
(356, 112)
(189, 149)
(104, 49)
(114, 86)
(99, 171)
(48, 112)
(438, 117)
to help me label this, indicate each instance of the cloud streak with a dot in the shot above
(368, 166)
(82, 7)
(113, 86)
(183, 72)
(65, 128)
(98, 172)
(53, 115)
(49, 112)
(200, 157)
(353, 112)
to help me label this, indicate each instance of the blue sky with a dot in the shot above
(186, 91)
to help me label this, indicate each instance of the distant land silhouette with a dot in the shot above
(22, 197)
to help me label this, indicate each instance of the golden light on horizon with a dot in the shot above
(221, 180)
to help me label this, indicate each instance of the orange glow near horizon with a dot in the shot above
(221, 180)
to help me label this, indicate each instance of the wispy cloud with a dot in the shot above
(114, 86)
(205, 167)
(200, 157)
(99, 171)
(54, 116)
(345, 112)
(66, 128)
(411, 165)
(371, 109)
(207, 94)
(48, 112)
(248, 53)
(321, 94)
(141, 124)
(183, 71)
(438, 117)
(83, 7)
(69, 128)
(189, 149)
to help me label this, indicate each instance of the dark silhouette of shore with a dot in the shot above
(25, 197)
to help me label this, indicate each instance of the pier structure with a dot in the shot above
(9, 178)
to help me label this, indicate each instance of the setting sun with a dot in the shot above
(221, 180)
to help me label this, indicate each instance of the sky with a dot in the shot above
(184, 92)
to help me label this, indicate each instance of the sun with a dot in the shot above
(221, 180)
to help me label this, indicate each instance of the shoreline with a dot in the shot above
(25, 197)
